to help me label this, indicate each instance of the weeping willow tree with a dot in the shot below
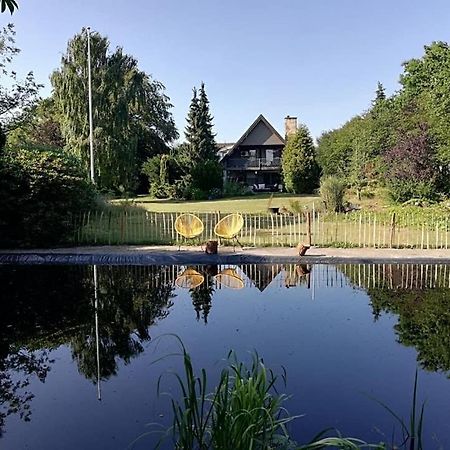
(131, 113)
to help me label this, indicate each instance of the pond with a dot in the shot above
(81, 346)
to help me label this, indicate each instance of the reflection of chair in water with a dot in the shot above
(189, 279)
(229, 227)
(188, 226)
(230, 279)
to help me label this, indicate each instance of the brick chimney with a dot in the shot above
(290, 125)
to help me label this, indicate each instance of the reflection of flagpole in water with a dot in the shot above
(313, 276)
(97, 340)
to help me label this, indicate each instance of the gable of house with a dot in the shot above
(260, 133)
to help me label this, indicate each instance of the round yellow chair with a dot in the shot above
(229, 227)
(230, 279)
(189, 279)
(188, 226)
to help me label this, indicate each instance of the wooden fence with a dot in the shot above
(358, 229)
(408, 277)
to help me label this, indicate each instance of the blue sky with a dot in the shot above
(318, 60)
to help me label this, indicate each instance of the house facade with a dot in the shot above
(255, 159)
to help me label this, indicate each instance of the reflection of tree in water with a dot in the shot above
(423, 322)
(202, 295)
(423, 311)
(44, 307)
(128, 304)
(15, 398)
(39, 306)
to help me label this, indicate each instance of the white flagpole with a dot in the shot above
(91, 127)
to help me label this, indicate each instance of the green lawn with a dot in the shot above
(252, 204)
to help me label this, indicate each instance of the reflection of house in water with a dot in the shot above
(261, 275)
(392, 276)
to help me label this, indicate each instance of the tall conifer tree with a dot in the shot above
(207, 137)
(199, 134)
(201, 161)
(192, 130)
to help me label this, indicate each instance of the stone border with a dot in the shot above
(172, 257)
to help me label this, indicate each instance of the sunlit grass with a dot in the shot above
(252, 204)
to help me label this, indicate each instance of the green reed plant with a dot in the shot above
(412, 432)
(244, 412)
(248, 411)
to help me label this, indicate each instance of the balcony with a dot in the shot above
(253, 164)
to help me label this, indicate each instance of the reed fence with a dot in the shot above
(357, 229)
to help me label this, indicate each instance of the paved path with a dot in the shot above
(194, 255)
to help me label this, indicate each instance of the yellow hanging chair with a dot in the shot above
(188, 226)
(230, 279)
(189, 279)
(229, 227)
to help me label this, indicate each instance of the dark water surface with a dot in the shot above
(72, 334)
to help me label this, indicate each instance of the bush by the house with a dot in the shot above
(206, 177)
(235, 189)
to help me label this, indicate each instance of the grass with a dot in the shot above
(252, 204)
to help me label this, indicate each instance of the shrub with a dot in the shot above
(40, 192)
(332, 191)
(234, 189)
(162, 190)
(402, 191)
(207, 175)
(197, 194)
(151, 168)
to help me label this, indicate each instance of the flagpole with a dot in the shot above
(91, 131)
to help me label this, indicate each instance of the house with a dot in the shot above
(255, 159)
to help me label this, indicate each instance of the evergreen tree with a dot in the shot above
(205, 119)
(300, 170)
(199, 134)
(192, 130)
(202, 165)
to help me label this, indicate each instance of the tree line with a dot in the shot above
(401, 142)
(44, 143)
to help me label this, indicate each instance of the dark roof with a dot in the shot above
(220, 145)
(223, 148)
(259, 119)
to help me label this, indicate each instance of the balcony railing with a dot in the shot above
(253, 163)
